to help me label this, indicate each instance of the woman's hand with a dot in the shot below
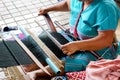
(69, 48)
(42, 11)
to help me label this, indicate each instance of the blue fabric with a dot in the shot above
(101, 15)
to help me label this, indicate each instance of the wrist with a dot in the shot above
(76, 45)
(46, 10)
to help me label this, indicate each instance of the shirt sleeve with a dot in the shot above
(107, 18)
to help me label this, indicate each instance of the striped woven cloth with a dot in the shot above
(11, 54)
(76, 75)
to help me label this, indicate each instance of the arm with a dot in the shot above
(104, 39)
(61, 6)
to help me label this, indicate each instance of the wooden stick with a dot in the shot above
(30, 54)
(49, 22)
(60, 26)
(23, 73)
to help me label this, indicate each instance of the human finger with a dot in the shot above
(41, 12)
(65, 52)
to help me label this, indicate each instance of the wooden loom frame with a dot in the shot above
(49, 53)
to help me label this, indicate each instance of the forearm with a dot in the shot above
(91, 44)
(61, 6)
(96, 43)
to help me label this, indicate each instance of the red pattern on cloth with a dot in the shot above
(76, 75)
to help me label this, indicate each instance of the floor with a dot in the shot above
(24, 12)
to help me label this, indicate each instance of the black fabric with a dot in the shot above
(11, 54)
(51, 45)
(5, 57)
(34, 48)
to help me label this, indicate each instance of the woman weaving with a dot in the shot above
(95, 28)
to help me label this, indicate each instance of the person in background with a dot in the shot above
(93, 23)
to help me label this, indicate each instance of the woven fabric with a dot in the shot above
(5, 58)
(11, 54)
(34, 48)
(51, 45)
(76, 75)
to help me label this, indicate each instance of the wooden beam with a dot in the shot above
(49, 22)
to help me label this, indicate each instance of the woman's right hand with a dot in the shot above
(42, 11)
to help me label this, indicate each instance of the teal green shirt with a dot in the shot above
(99, 16)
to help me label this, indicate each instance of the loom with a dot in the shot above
(14, 54)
